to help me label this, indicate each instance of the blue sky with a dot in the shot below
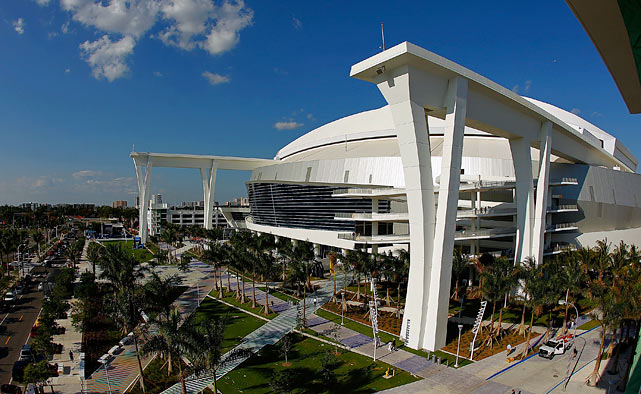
(81, 81)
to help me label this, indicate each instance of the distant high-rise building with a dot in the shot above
(30, 205)
(137, 204)
(156, 199)
(119, 204)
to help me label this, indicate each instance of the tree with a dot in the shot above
(37, 237)
(38, 373)
(174, 338)
(267, 269)
(571, 277)
(210, 334)
(534, 295)
(460, 263)
(185, 259)
(160, 293)
(73, 253)
(282, 382)
(93, 255)
(120, 269)
(124, 308)
(499, 279)
(286, 345)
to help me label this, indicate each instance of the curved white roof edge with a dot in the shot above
(378, 123)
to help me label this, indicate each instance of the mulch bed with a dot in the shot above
(386, 321)
(509, 337)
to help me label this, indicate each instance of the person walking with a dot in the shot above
(315, 301)
(70, 355)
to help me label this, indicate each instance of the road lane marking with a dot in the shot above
(7, 340)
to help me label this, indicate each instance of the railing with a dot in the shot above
(359, 237)
(568, 207)
(483, 233)
(561, 247)
(564, 180)
(560, 226)
(487, 211)
(381, 190)
(371, 215)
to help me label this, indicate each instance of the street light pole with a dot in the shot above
(458, 346)
(342, 307)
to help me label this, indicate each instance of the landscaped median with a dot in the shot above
(313, 367)
(239, 324)
(142, 255)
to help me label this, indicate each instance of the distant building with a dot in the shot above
(137, 204)
(119, 204)
(30, 205)
(159, 215)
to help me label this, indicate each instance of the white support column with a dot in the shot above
(538, 234)
(522, 160)
(441, 269)
(412, 131)
(208, 176)
(144, 181)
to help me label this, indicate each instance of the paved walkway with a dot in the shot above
(268, 334)
(123, 371)
(436, 378)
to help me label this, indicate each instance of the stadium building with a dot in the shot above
(453, 160)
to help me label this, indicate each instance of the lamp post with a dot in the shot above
(105, 364)
(563, 302)
(342, 307)
(458, 346)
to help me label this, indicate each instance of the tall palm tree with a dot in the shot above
(160, 293)
(124, 308)
(460, 264)
(571, 276)
(267, 270)
(499, 279)
(73, 253)
(534, 292)
(93, 255)
(211, 334)
(37, 237)
(303, 257)
(174, 339)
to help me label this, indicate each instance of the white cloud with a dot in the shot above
(230, 19)
(67, 70)
(190, 17)
(51, 34)
(287, 125)
(515, 89)
(107, 58)
(18, 26)
(297, 23)
(528, 85)
(157, 74)
(597, 114)
(311, 117)
(575, 111)
(126, 17)
(39, 183)
(215, 79)
(87, 174)
(42, 2)
(65, 28)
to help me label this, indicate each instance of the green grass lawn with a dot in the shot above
(141, 255)
(351, 372)
(230, 298)
(589, 325)
(279, 294)
(239, 324)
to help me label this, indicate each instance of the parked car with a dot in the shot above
(10, 389)
(19, 290)
(556, 346)
(9, 297)
(18, 370)
(25, 353)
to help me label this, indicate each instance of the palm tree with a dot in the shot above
(533, 280)
(160, 293)
(73, 253)
(302, 257)
(211, 334)
(93, 255)
(460, 263)
(499, 279)
(37, 237)
(284, 251)
(267, 270)
(174, 338)
(120, 269)
(124, 308)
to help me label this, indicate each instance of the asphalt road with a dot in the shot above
(18, 321)
(540, 375)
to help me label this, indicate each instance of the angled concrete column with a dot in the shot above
(208, 176)
(441, 269)
(524, 194)
(374, 224)
(540, 210)
(144, 181)
(412, 131)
